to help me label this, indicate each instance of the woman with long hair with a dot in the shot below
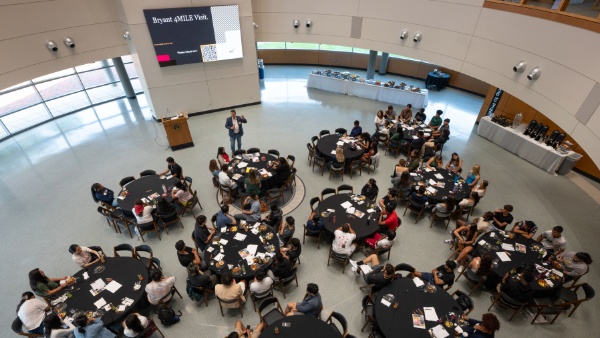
(447, 207)
(413, 161)
(485, 328)
(180, 194)
(213, 167)
(252, 182)
(402, 184)
(45, 286)
(339, 160)
(470, 201)
(282, 167)
(473, 176)
(54, 327)
(90, 328)
(32, 311)
(222, 156)
(481, 188)
(455, 164)
(400, 168)
(134, 324)
(101, 193)
(379, 120)
(435, 162)
(142, 212)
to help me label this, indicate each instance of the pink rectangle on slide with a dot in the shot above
(163, 58)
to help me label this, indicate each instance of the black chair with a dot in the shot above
(404, 267)
(319, 161)
(393, 147)
(465, 302)
(123, 182)
(355, 165)
(120, 219)
(291, 161)
(342, 258)
(313, 201)
(281, 283)
(418, 209)
(190, 206)
(341, 131)
(168, 219)
(314, 141)
(323, 133)
(236, 301)
(149, 330)
(124, 247)
(545, 307)
(17, 327)
(505, 300)
(188, 181)
(253, 150)
(388, 251)
(345, 187)
(203, 291)
(239, 152)
(337, 170)
(98, 249)
(311, 234)
(106, 214)
(274, 314)
(338, 316)
(368, 306)
(276, 193)
(151, 261)
(145, 228)
(569, 295)
(311, 153)
(327, 191)
(148, 172)
(273, 152)
(291, 181)
(260, 296)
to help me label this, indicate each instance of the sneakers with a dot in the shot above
(449, 241)
(461, 269)
(355, 270)
(354, 265)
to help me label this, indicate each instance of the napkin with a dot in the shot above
(430, 314)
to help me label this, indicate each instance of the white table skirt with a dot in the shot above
(523, 146)
(368, 91)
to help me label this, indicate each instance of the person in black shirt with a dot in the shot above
(187, 255)
(440, 276)
(519, 290)
(370, 190)
(202, 235)
(314, 223)
(173, 168)
(483, 328)
(200, 279)
(502, 217)
(420, 116)
(389, 199)
(380, 275)
(293, 252)
(274, 218)
(282, 268)
(282, 167)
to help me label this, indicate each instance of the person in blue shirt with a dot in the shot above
(91, 328)
(314, 223)
(357, 130)
(310, 305)
(224, 219)
(418, 197)
(100, 193)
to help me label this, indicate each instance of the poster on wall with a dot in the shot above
(195, 34)
(495, 101)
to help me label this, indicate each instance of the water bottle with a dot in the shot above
(244, 269)
(456, 180)
(164, 188)
(452, 168)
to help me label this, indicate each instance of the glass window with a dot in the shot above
(405, 58)
(105, 93)
(94, 65)
(99, 77)
(335, 48)
(301, 45)
(25, 118)
(360, 50)
(137, 85)
(587, 8)
(67, 104)
(3, 132)
(59, 87)
(126, 59)
(130, 68)
(18, 99)
(63, 72)
(23, 84)
(270, 45)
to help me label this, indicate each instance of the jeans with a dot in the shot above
(115, 203)
(232, 139)
(39, 330)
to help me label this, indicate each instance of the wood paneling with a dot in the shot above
(274, 56)
(308, 57)
(336, 59)
(405, 67)
(360, 61)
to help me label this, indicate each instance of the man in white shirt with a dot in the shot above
(262, 283)
(553, 241)
(224, 179)
(344, 236)
(159, 287)
(84, 256)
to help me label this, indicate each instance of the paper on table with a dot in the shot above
(370, 211)
(503, 256)
(100, 303)
(98, 284)
(431, 190)
(210, 249)
(113, 286)
(350, 210)
(121, 308)
(340, 143)
(242, 165)
(365, 268)
(346, 205)
(218, 257)
(85, 275)
(430, 314)
(427, 130)
(385, 302)
(427, 169)
(422, 125)
(415, 137)
(508, 247)
(550, 284)
(413, 174)
(239, 237)
(418, 281)
(432, 182)
(252, 249)
(556, 272)
(333, 152)
(426, 134)
(439, 176)
(410, 128)
(145, 200)
(439, 331)
(492, 235)
(223, 241)
(481, 242)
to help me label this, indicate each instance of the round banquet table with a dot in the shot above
(328, 143)
(408, 131)
(123, 270)
(530, 257)
(398, 322)
(267, 182)
(439, 82)
(363, 226)
(442, 194)
(300, 326)
(233, 247)
(144, 187)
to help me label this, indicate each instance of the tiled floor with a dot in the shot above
(45, 175)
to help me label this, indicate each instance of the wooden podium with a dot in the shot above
(178, 132)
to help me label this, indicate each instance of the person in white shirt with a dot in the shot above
(134, 324)
(553, 241)
(483, 222)
(379, 120)
(481, 188)
(224, 179)
(262, 283)
(84, 256)
(54, 327)
(343, 242)
(142, 212)
(32, 311)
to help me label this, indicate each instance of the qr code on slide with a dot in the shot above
(209, 53)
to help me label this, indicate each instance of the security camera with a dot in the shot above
(255, 25)
(417, 37)
(51, 45)
(404, 34)
(296, 23)
(535, 73)
(126, 35)
(520, 67)
(69, 42)
(308, 23)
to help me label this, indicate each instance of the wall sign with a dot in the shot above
(495, 101)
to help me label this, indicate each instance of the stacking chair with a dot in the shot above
(120, 219)
(291, 181)
(323, 132)
(313, 201)
(98, 249)
(345, 187)
(327, 191)
(544, 307)
(151, 261)
(342, 258)
(307, 233)
(341, 131)
(368, 306)
(473, 279)
(355, 165)
(435, 215)
(126, 180)
(188, 181)
(380, 252)
(106, 214)
(466, 211)
(17, 327)
(166, 220)
(569, 295)
(415, 208)
(505, 300)
(146, 228)
(339, 170)
(124, 247)
(238, 152)
(148, 172)
(281, 283)
(190, 206)
(253, 150)
(260, 296)
(393, 147)
(341, 320)
(319, 161)
(201, 291)
(149, 330)
(314, 141)
(311, 153)
(167, 299)
(382, 138)
(373, 161)
(273, 152)
(237, 302)
(291, 160)
(274, 314)
(276, 193)
(465, 302)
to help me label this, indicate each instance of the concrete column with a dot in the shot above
(384, 63)
(371, 64)
(123, 77)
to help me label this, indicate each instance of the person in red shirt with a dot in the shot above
(391, 222)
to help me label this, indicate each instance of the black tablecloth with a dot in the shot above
(517, 258)
(144, 187)
(263, 163)
(328, 143)
(448, 180)
(359, 225)
(232, 248)
(398, 322)
(300, 326)
(437, 81)
(407, 134)
(125, 271)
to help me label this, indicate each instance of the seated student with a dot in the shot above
(364, 141)
(202, 235)
(439, 132)
(222, 156)
(390, 113)
(251, 211)
(173, 169)
(473, 176)
(389, 199)
(54, 327)
(262, 283)
(484, 328)
(420, 116)
(405, 114)
(447, 207)
(227, 183)
(214, 169)
(418, 197)
(187, 255)
(357, 130)
(84, 256)
(400, 168)
(159, 287)
(338, 161)
(31, 311)
(503, 217)
(454, 164)
(525, 228)
(293, 251)
(343, 241)
(435, 162)
(436, 121)
(224, 219)
(466, 236)
(395, 139)
(252, 183)
(142, 212)
(314, 224)
(574, 264)
(45, 286)
(553, 241)
(101, 193)
(311, 304)
(164, 208)
(286, 231)
(479, 267)
(470, 201)
(134, 324)
(370, 190)
(440, 276)
(200, 279)
(230, 289)
(519, 290)
(242, 331)
(388, 220)
(413, 161)
(283, 170)
(180, 195)
(90, 327)
(481, 188)
(274, 218)
(281, 268)
(434, 142)
(380, 275)
(379, 121)
(379, 241)
(415, 143)
(402, 184)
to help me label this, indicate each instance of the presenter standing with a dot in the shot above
(234, 124)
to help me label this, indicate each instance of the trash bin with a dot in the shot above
(568, 163)
(261, 69)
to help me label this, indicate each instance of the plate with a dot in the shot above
(99, 269)
(431, 288)
(269, 236)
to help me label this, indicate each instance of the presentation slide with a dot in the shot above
(195, 34)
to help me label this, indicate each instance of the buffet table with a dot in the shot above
(368, 91)
(525, 147)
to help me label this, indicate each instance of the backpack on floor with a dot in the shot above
(167, 316)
